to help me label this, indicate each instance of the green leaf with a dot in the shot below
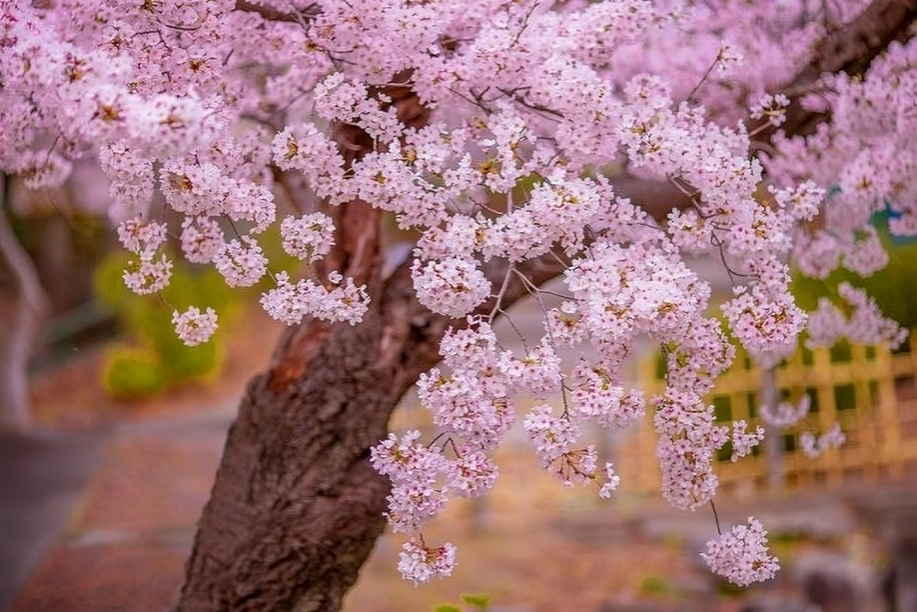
(446, 608)
(478, 601)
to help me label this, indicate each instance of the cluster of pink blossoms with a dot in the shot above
(146, 273)
(423, 478)
(741, 555)
(863, 325)
(864, 159)
(772, 107)
(193, 326)
(743, 440)
(538, 108)
(289, 303)
(452, 287)
(813, 446)
(420, 564)
(786, 415)
(308, 237)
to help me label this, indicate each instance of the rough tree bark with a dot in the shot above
(296, 506)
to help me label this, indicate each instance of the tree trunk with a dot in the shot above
(297, 506)
(22, 304)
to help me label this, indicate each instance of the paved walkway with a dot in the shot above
(104, 521)
(81, 514)
(41, 478)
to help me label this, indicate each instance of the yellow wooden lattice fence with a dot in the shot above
(870, 391)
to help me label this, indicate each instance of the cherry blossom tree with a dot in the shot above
(520, 140)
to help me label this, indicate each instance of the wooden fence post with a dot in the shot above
(773, 436)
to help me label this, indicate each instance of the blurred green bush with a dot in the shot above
(151, 358)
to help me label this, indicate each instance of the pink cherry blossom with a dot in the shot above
(451, 287)
(307, 237)
(420, 564)
(741, 555)
(193, 326)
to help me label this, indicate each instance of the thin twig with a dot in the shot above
(509, 320)
(704, 77)
(716, 517)
(503, 288)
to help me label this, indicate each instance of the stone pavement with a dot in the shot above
(104, 522)
(41, 477)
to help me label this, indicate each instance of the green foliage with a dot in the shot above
(887, 286)
(132, 373)
(152, 358)
(477, 602)
(655, 585)
(727, 590)
(785, 545)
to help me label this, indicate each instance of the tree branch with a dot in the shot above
(853, 47)
(356, 252)
(272, 14)
(850, 49)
